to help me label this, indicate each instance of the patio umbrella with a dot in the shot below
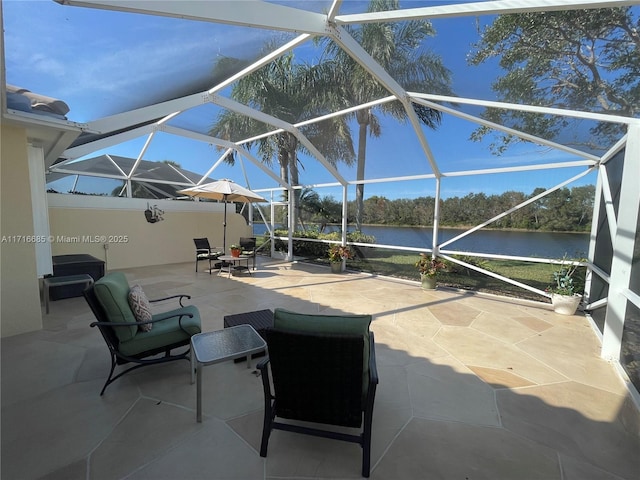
(227, 191)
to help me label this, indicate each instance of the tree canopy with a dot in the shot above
(566, 210)
(575, 59)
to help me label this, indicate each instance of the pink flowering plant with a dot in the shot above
(339, 252)
(429, 266)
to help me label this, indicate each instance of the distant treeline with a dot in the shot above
(568, 210)
(563, 210)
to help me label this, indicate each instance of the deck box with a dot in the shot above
(76, 264)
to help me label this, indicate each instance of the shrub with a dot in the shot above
(318, 249)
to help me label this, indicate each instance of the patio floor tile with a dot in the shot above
(471, 386)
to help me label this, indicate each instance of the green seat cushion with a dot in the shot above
(335, 324)
(112, 292)
(165, 332)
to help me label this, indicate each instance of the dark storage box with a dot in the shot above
(64, 265)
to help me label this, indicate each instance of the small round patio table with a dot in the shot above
(234, 263)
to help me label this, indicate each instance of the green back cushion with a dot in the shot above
(345, 324)
(112, 292)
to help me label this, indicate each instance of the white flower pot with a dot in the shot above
(565, 304)
(428, 283)
(336, 267)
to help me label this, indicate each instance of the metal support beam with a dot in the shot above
(251, 13)
(343, 236)
(623, 248)
(271, 120)
(520, 205)
(360, 55)
(600, 117)
(292, 227)
(496, 7)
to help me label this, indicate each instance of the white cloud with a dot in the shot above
(42, 64)
(86, 56)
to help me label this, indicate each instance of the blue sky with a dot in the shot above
(102, 62)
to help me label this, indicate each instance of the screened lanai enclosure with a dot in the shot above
(455, 124)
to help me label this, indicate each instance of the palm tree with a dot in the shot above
(396, 47)
(308, 205)
(285, 90)
(173, 163)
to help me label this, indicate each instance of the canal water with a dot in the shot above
(504, 242)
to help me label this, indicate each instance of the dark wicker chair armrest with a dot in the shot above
(263, 367)
(373, 367)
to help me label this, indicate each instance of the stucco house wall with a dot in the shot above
(85, 224)
(19, 286)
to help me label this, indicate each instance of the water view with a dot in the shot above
(505, 242)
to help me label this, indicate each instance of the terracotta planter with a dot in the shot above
(428, 283)
(336, 267)
(565, 304)
(236, 252)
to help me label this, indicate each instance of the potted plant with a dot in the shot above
(338, 253)
(429, 268)
(565, 292)
(235, 250)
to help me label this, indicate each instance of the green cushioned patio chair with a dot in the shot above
(109, 300)
(323, 370)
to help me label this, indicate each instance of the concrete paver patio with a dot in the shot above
(471, 387)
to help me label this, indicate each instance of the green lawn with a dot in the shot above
(395, 264)
(537, 275)
(402, 265)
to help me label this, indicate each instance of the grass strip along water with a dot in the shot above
(399, 264)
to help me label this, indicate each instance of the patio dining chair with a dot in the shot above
(205, 252)
(132, 333)
(324, 371)
(248, 245)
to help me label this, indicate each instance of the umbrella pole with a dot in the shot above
(224, 228)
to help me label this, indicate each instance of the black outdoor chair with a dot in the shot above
(324, 371)
(108, 299)
(248, 245)
(205, 252)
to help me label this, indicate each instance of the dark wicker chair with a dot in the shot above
(119, 329)
(205, 252)
(324, 378)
